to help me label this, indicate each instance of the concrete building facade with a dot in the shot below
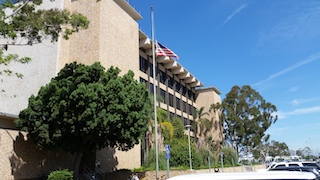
(113, 39)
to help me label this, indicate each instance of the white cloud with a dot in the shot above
(297, 102)
(294, 89)
(277, 131)
(236, 11)
(310, 110)
(297, 22)
(310, 59)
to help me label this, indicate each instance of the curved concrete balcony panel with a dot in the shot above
(184, 75)
(145, 42)
(190, 80)
(196, 84)
(178, 70)
(171, 65)
(163, 59)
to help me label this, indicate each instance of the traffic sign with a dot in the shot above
(167, 151)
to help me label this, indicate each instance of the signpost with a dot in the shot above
(168, 157)
(221, 158)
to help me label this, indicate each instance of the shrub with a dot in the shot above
(64, 174)
(152, 159)
(179, 155)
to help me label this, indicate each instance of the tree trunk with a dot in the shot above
(77, 160)
(76, 164)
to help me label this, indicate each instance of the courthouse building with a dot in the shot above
(114, 39)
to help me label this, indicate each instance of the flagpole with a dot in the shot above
(154, 95)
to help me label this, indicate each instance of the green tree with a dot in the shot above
(261, 151)
(305, 152)
(179, 153)
(167, 131)
(229, 156)
(85, 109)
(202, 126)
(27, 24)
(178, 128)
(246, 116)
(278, 149)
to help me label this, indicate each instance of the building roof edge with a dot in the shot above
(209, 88)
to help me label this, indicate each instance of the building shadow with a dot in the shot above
(29, 162)
(107, 159)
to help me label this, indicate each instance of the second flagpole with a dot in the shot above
(154, 94)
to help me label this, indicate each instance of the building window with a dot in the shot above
(171, 115)
(178, 106)
(143, 64)
(190, 95)
(151, 69)
(185, 121)
(163, 77)
(170, 82)
(178, 86)
(191, 122)
(170, 100)
(163, 95)
(193, 111)
(151, 88)
(190, 109)
(143, 80)
(184, 90)
(184, 104)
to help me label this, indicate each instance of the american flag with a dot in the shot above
(164, 51)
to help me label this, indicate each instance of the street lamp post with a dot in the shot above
(190, 161)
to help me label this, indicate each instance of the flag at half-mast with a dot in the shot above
(165, 51)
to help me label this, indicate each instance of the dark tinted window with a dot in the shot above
(143, 64)
(163, 77)
(178, 103)
(170, 100)
(293, 165)
(163, 95)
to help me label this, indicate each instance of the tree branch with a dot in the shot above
(18, 9)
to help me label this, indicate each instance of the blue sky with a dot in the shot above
(271, 45)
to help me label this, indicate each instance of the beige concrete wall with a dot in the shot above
(112, 37)
(112, 159)
(205, 98)
(21, 159)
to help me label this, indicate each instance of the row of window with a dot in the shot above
(168, 99)
(146, 67)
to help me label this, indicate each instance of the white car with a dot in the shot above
(294, 163)
(292, 175)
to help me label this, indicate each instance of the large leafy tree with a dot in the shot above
(246, 116)
(23, 22)
(85, 109)
(278, 149)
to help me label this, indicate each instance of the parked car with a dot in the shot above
(294, 164)
(311, 169)
(269, 175)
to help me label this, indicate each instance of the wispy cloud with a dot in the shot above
(283, 115)
(297, 102)
(298, 22)
(278, 131)
(310, 59)
(236, 11)
(294, 89)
